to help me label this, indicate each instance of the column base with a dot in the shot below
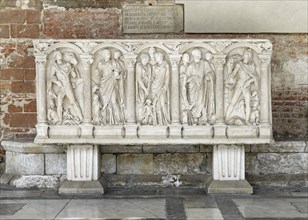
(83, 187)
(230, 186)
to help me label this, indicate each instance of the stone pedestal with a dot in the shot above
(229, 170)
(83, 170)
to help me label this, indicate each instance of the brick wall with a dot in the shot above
(21, 21)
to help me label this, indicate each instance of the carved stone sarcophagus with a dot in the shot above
(153, 91)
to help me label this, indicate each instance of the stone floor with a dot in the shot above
(152, 203)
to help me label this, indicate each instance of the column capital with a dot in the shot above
(219, 59)
(87, 59)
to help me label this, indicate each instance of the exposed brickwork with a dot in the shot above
(82, 23)
(18, 23)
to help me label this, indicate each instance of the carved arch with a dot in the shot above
(239, 45)
(64, 45)
(142, 47)
(104, 45)
(197, 44)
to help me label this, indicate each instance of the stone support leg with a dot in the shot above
(83, 170)
(229, 170)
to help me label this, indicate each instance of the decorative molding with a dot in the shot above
(164, 90)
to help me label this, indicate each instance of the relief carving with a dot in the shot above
(64, 80)
(108, 92)
(152, 79)
(132, 91)
(242, 82)
(197, 88)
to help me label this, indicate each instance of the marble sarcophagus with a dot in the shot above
(153, 91)
(107, 92)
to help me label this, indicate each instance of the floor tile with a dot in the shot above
(114, 209)
(203, 214)
(35, 209)
(270, 208)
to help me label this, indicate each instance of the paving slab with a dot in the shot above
(271, 208)
(114, 209)
(34, 209)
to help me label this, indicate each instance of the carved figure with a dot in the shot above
(111, 94)
(255, 108)
(65, 76)
(52, 115)
(185, 107)
(160, 89)
(148, 114)
(96, 109)
(200, 85)
(242, 79)
(143, 78)
(151, 52)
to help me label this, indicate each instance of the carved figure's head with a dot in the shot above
(145, 58)
(151, 51)
(247, 56)
(58, 56)
(185, 58)
(117, 54)
(196, 53)
(159, 57)
(70, 58)
(208, 56)
(106, 55)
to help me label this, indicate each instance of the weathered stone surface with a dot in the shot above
(6, 178)
(29, 147)
(206, 148)
(281, 147)
(55, 164)
(121, 149)
(273, 163)
(279, 180)
(17, 163)
(170, 148)
(109, 163)
(264, 16)
(180, 163)
(83, 187)
(153, 19)
(28, 181)
(135, 164)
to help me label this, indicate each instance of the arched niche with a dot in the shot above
(146, 74)
(244, 79)
(64, 76)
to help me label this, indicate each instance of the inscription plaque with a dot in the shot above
(153, 19)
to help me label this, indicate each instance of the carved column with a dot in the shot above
(220, 127)
(219, 61)
(175, 89)
(130, 90)
(86, 129)
(42, 125)
(265, 110)
(264, 89)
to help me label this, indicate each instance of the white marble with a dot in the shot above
(138, 92)
(83, 162)
(229, 162)
(114, 209)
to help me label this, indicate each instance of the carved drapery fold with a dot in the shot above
(141, 91)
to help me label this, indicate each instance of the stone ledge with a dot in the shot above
(83, 187)
(281, 147)
(28, 146)
(230, 187)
